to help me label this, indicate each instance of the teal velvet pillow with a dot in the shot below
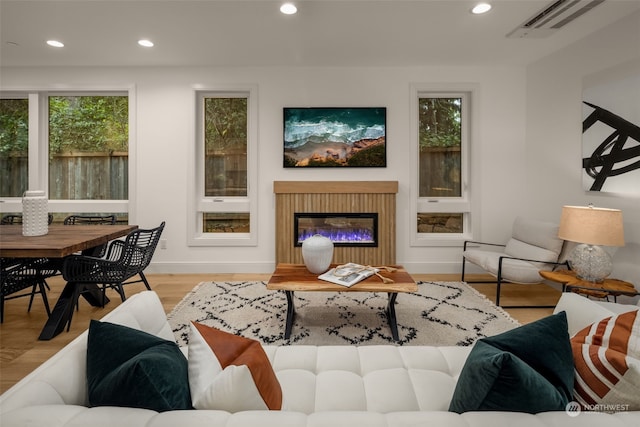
(128, 367)
(528, 369)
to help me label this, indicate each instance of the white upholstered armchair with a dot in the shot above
(534, 245)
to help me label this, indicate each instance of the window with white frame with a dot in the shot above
(226, 142)
(441, 198)
(75, 146)
(14, 145)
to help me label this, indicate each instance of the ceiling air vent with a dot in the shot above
(552, 18)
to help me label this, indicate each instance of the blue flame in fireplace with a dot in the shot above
(351, 235)
(343, 229)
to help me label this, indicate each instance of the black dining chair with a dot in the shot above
(89, 219)
(19, 274)
(10, 219)
(48, 267)
(124, 260)
(98, 251)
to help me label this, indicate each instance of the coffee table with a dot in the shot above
(292, 278)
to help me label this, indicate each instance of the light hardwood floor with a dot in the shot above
(21, 352)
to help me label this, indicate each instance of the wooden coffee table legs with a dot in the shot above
(390, 311)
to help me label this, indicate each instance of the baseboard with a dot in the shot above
(268, 267)
(209, 267)
(434, 267)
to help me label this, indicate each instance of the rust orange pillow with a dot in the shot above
(229, 372)
(607, 362)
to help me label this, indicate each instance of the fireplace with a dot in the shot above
(342, 203)
(344, 229)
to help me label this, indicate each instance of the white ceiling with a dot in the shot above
(254, 32)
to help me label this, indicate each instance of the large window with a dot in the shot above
(442, 201)
(14, 146)
(225, 150)
(88, 147)
(75, 146)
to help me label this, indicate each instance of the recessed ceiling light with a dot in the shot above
(55, 43)
(145, 43)
(288, 8)
(481, 8)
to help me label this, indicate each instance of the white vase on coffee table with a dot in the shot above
(317, 253)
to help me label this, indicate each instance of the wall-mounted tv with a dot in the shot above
(335, 137)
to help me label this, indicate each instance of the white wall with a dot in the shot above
(526, 156)
(554, 130)
(165, 130)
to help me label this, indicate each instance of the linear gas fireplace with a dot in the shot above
(365, 211)
(344, 229)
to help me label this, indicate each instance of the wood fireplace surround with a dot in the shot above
(337, 197)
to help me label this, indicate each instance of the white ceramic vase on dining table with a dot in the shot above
(35, 213)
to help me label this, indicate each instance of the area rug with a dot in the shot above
(439, 314)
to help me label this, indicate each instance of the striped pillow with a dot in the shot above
(607, 364)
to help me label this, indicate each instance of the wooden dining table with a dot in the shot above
(59, 242)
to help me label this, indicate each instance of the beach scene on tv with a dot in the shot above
(317, 137)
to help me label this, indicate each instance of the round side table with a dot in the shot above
(572, 283)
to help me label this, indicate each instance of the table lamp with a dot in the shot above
(591, 227)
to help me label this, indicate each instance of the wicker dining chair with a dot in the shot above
(89, 219)
(48, 267)
(124, 260)
(98, 251)
(18, 274)
(9, 219)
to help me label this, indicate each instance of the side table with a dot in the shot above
(572, 283)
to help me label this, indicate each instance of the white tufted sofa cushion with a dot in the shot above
(369, 378)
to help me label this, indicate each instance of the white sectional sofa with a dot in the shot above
(329, 386)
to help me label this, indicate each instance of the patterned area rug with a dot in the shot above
(440, 313)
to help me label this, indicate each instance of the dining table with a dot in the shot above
(60, 242)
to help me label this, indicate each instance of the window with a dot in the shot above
(225, 145)
(14, 146)
(439, 146)
(442, 203)
(74, 145)
(88, 147)
(226, 139)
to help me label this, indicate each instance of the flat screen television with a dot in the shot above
(335, 137)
